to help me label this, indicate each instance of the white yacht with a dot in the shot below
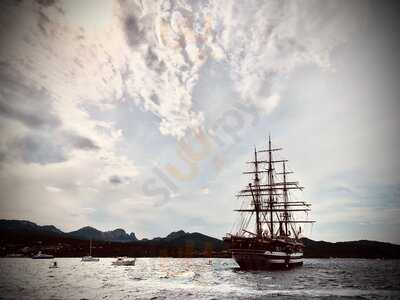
(89, 257)
(41, 255)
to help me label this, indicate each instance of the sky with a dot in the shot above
(141, 114)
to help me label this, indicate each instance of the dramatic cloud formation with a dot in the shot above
(152, 52)
(95, 93)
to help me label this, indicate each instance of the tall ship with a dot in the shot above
(268, 234)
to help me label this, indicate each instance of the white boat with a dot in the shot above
(89, 257)
(15, 255)
(124, 261)
(53, 266)
(41, 255)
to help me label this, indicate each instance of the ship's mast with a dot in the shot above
(256, 197)
(270, 197)
(285, 199)
(270, 183)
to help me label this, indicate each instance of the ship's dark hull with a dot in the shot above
(248, 259)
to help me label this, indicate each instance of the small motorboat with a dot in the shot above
(53, 266)
(124, 261)
(41, 255)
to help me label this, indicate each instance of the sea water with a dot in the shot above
(196, 278)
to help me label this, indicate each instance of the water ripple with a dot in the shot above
(165, 278)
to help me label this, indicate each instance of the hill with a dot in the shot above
(117, 235)
(22, 227)
(27, 237)
(354, 249)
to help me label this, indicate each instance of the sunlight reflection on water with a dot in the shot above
(194, 278)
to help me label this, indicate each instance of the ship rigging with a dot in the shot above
(269, 235)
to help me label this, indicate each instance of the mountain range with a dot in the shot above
(18, 230)
(21, 227)
(15, 234)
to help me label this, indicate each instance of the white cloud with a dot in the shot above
(52, 189)
(205, 191)
(152, 53)
(266, 40)
(77, 68)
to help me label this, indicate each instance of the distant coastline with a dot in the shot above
(24, 238)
